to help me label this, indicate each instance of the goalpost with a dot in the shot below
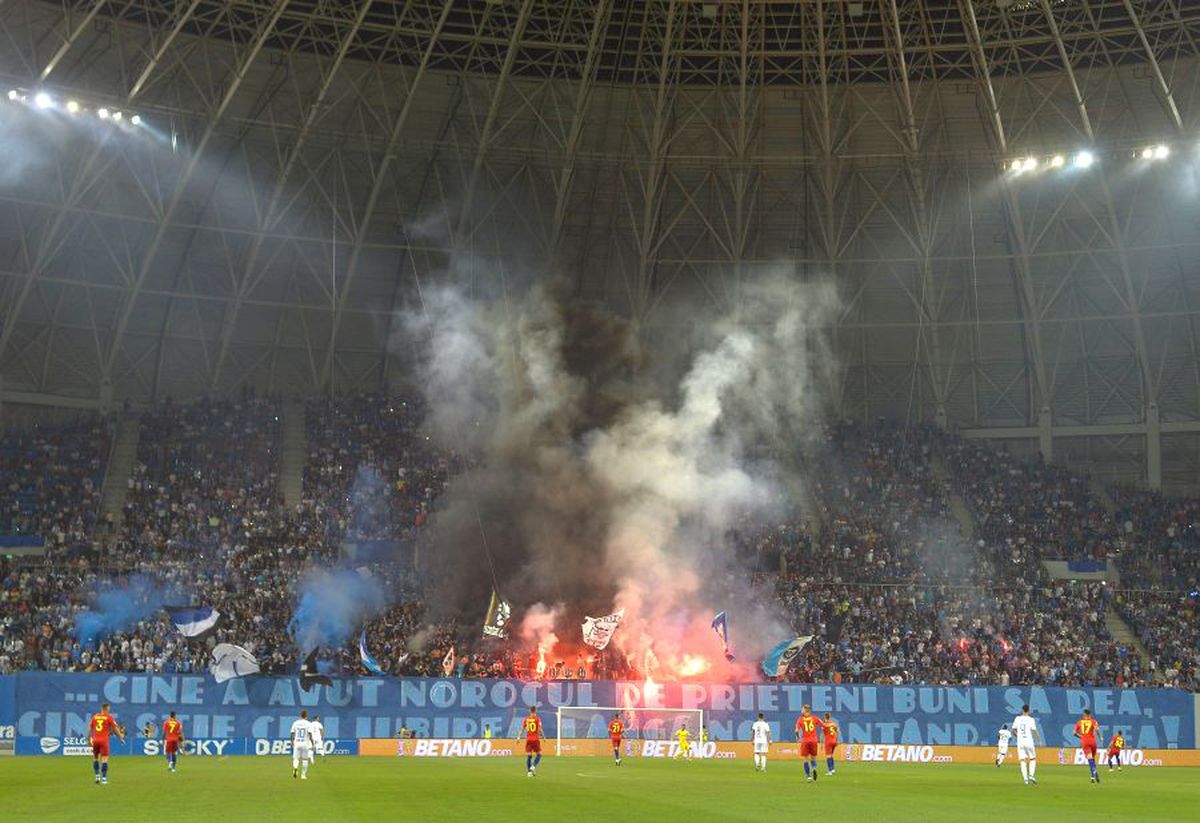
(591, 723)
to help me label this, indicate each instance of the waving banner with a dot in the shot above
(597, 631)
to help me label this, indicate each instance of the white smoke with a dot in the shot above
(601, 491)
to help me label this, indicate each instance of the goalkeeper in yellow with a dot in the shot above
(684, 738)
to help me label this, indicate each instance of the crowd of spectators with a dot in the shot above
(880, 573)
(50, 480)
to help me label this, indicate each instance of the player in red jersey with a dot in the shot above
(100, 728)
(616, 730)
(831, 741)
(172, 731)
(1087, 730)
(807, 725)
(1115, 747)
(532, 728)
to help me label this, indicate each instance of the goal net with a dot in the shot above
(591, 723)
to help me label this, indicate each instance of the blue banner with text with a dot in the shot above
(59, 705)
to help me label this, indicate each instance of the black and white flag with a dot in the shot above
(196, 622)
(597, 631)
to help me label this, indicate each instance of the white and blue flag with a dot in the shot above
(369, 662)
(779, 658)
(194, 621)
(720, 625)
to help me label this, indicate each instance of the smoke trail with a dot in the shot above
(117, 606)
(332, 605)
(598, 488)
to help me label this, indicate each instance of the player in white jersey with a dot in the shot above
(301, 745)
(1026, 730)
(760, 732)
(1002, 745)
(318, 737)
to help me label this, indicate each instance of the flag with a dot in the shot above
(720, 625)
(498, 613)
(369, 662)
(310, 676)
(448, 662)
(230, 661)
(779, 658)
(597, 631)
(196, 622)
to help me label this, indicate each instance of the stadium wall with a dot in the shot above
(37, 705)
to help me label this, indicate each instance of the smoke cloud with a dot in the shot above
(332, 605)
(118, 606)
(604, 476)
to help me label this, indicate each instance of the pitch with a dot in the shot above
(580, 789)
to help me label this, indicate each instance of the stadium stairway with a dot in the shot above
(293, 447)
(1121, 632)
(120, 468)
(958, 506)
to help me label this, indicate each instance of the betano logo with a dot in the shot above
(1129, 757)
(886, 753)
(665, 748)
(458, 748)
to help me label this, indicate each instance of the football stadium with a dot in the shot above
(600, 410)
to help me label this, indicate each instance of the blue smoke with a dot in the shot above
(333, 603)
(117, 606)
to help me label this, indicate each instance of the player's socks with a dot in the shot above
(806, 771)
(537, 759)
(1025, 770)
(96, 767)
(104, 771)
(829, 763)
(528, 762)
(1033, 770)
(814, 765)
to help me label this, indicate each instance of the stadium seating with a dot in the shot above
(881, 575)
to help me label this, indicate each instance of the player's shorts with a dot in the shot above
(1002, 750)
(171, 746)
(616, 742)
(808, 748)
(533, 747)
(99, 748)
(318, 745)
(1026, 751)
(1114, 754)
(1089, 749)
(303, 751)
(830, 748)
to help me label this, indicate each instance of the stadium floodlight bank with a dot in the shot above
(591, 723)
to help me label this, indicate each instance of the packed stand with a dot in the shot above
(51, 478)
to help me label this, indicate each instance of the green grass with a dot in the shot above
(239, 789)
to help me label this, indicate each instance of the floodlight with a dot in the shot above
(1161, 152)
(1030, 164)
(42, 100)
(14, 95)
(117, 116)
(103, 113)
(136, 120)
(1148, 153)
(1084, 159)
(1057, 161)
(72, 107)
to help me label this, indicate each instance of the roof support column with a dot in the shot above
(1016, 223)
(248, 281)
(379, 178)
(181, 185)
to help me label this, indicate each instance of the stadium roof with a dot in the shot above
(300, 165)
